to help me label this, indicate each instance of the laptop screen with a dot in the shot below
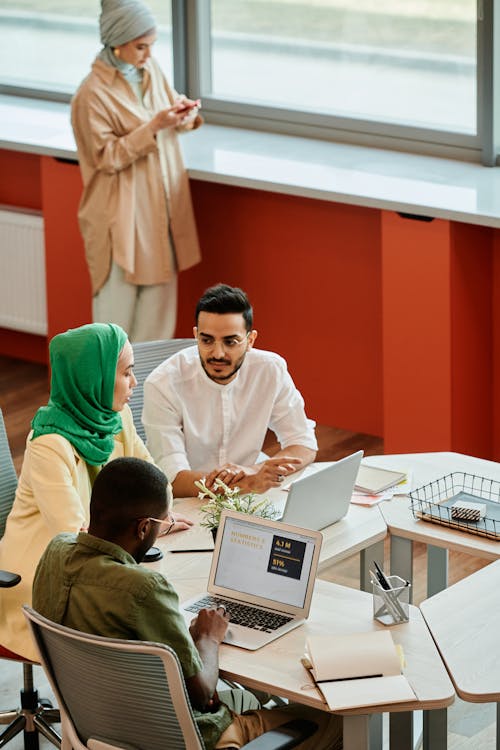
(262, 561)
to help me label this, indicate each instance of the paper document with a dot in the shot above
(370, 692)
(362, 498)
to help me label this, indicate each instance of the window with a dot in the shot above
(49, 45)
(410, 74)
(409, 62)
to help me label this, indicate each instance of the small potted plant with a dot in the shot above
(230, 498)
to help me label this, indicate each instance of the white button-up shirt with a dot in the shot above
(194, 423)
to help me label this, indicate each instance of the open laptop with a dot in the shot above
(320, 499)
(263, 572)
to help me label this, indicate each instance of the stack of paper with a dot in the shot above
(374, 484)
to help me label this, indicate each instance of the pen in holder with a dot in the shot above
(391, 606)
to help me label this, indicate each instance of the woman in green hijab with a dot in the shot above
(86, 423)
(81, 407)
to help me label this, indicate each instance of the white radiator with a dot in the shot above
(23, 304)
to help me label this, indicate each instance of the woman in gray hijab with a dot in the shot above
(135, 214)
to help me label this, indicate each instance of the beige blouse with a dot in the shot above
(127, 207)
(53, 495)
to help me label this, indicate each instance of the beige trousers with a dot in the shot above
(146, 313)
(251, 724)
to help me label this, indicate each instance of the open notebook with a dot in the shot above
(263, 572)
(358, 669)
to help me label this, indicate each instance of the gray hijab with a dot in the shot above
(124, 20)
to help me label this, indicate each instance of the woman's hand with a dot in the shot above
(182, 523)
(192, 119)
(171, 117)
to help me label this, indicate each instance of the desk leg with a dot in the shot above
(402, 559)
(362, 732)
(366, 558)
(437, 569)
(498, 726)
(401, 731)
(435, 729)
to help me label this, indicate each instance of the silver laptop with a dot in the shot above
(263, 572)
(320, 499)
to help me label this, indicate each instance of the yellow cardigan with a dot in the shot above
(53, 495)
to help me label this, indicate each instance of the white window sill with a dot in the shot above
(356, 175)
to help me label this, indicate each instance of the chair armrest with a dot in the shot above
(8, 579)
(284, 737)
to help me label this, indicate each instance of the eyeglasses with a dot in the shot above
(167, 523)
(227, 343)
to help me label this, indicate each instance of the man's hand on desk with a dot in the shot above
(230, 474)
(258, 478)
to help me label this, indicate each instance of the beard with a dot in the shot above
(222, 378)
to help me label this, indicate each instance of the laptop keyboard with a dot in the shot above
(243, 614)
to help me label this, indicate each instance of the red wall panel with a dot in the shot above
(312, 271)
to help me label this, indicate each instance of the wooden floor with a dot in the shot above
(24, 387)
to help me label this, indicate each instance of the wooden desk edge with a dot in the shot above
(312, 697)
(452, 543)
(349, 552)
(476, 697)
(401, 707)
(309, 697)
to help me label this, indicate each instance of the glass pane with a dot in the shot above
(50, 44)
(410, 62)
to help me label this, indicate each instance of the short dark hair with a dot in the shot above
(223, 299)
(126, 489)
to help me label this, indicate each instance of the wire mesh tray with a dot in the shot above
(433, 502)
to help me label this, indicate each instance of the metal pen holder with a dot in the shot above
(391, 606)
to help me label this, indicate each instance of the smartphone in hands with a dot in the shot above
(189, 105)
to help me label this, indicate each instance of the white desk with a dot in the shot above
(362, 531)
(404, 529)
(465, 622)
(338, 609)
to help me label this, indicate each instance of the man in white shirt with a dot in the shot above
(207, 408)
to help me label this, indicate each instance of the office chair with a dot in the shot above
(8, 484)
(147, 356)
(127, 694)
(35, 713)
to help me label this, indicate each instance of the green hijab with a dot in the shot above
(83, 362)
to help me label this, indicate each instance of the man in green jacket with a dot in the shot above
(93, 582)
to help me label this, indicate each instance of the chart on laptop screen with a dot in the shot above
(256, 560)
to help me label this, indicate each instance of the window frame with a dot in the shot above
(357, 131)
(191, 41)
